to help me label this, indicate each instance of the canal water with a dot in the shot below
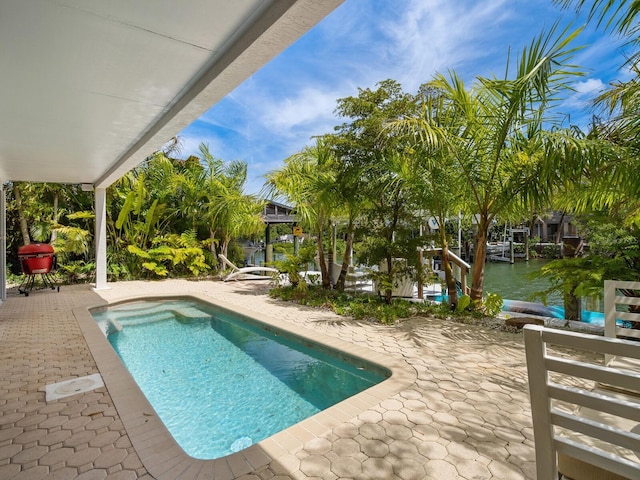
(513, 282)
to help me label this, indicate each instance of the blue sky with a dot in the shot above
(275, 112)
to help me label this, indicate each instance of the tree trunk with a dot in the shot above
(477, 277)
(560, 231)
(224, 248)
(24, 228)
(390, 278)
(572, 307)
(346, 259)
(450, 280)
(212, 248)
(54, 233)
(324, 268)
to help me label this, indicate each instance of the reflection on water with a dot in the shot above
(513, 282)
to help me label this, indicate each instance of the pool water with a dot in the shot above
(221, 383)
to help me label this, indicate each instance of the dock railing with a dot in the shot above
(465, 268)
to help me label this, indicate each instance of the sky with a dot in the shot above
(277, 111)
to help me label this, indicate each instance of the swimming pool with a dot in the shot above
(220, 381)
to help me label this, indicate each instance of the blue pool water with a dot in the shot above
(220, 382)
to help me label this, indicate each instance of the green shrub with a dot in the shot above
(551, 251)
(359, 306)
(463, 303)
(292, 265)
(492, 304)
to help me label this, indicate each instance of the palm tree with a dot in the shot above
(307, 182)
(226, 209)
(350, 202)
(619, 16)
(432, 175)
(366, 153)
(494, 135)
(598, 163)
(605, 156)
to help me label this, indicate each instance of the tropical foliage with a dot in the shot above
(166, 218)
(482, 153)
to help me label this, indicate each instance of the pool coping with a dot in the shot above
(160, 453)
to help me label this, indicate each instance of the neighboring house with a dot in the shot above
(553, 227)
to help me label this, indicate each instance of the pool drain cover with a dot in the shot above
(241, 444)
(74, 386)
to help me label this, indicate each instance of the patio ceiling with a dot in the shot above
(91, 87)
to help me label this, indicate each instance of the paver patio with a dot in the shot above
(464, 414)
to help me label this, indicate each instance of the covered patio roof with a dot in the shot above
(91, 88)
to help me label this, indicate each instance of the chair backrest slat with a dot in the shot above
(616, 310)
(604, 460)
(591, 428)
(595, 401)
(612, 376)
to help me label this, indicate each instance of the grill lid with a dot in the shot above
(35, 249)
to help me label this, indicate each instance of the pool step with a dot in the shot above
(159, 315)
(127, 313)
(133, 320)
(190, 313)
(142, 314)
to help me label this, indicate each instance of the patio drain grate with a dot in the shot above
(55, 391)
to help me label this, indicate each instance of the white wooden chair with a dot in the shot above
(579, 428)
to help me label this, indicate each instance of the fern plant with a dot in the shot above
(172, 254)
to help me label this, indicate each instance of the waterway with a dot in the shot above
(510, 281)
(513, 281)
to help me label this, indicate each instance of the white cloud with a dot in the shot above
(434, 36)
(361, 48)
(592, 86)
(309, 106)
(584, 94)
(276, 112)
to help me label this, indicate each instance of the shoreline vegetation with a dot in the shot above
(370, 307)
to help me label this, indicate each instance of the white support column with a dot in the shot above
(100, 200)
(3, 245)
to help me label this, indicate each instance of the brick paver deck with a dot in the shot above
(457, 409)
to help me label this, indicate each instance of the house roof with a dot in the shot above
(91, 88)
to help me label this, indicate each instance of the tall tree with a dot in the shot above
(597, 164)
(497, 141)
(307, 182)
(431, 174)
(364, 147)
(228, 212)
